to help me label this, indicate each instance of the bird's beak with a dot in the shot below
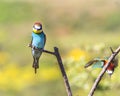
(36, 31)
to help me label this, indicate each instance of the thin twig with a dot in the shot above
(57, 54)
(111, 50)
(49, 52)
(103, 71)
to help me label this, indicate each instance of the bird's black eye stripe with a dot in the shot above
(37, 29)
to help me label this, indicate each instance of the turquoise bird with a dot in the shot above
(37, 43)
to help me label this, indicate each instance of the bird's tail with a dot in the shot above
(36, 64)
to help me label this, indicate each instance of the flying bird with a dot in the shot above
(100, 63)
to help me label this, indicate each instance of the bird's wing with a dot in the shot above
(44, 39)
(31, 40)
(90, 63)
(96, 63)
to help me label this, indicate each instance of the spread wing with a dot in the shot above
(96, 63)
(90, 63)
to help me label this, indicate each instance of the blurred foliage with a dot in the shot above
(81, 29)
(84, 78)
(14, 12)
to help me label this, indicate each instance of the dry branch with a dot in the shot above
(114, 53)
(57, 54)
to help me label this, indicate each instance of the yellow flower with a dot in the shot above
(77, 54)
(49, 74)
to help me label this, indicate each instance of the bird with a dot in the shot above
(100, 63)
(37, 43)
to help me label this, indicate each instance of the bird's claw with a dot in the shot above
(29, 45)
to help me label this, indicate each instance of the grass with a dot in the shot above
(15, 12)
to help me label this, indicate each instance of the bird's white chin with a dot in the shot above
(110, 72)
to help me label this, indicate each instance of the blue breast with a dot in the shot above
(38, 40)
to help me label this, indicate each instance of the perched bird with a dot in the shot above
(37, 43)
(100, 63)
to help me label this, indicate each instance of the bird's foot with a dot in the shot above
(30, 45)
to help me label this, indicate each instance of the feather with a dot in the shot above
(90, 63)
(96, 63)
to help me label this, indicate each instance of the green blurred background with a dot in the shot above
(81, 29)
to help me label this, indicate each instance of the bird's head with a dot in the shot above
(37, 27)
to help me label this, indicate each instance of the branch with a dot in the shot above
(114, 53)
(63, 71)
(57, 54)
(49, 52)
(111, 50)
